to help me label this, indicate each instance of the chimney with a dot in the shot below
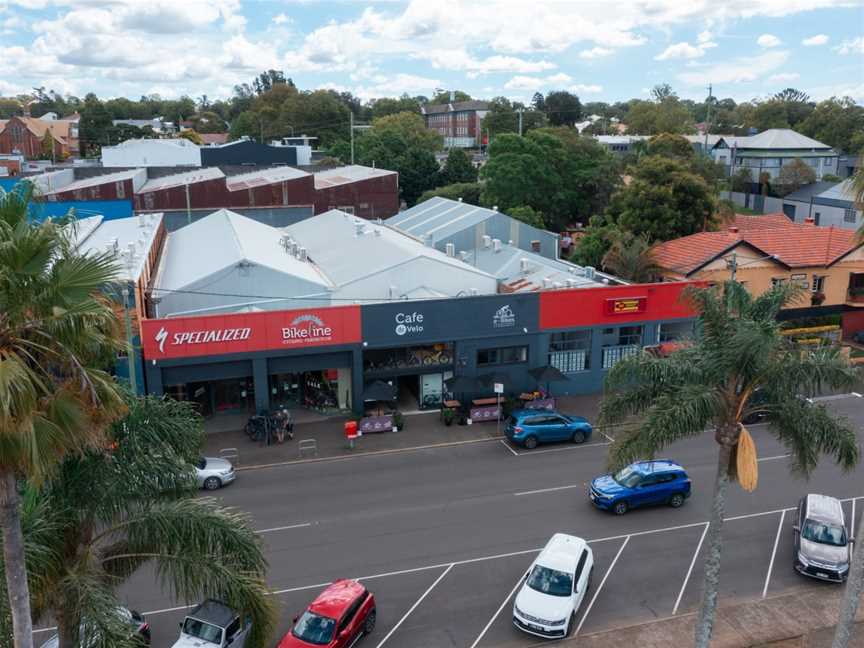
(450, 250)
(496, 245)
(810, 221)
(733, 229)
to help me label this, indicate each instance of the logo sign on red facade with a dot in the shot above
(626, 306)
(240, 333)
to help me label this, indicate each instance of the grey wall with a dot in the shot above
(275, 216)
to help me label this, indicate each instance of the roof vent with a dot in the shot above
(450, 249)
(809, 221)
(487, 241)
(496, 245)
(547, 282)
(377, 232)
(302, 254)
(510, 242)
(393, 291)
(523, 265)
(459, 199)
(495, 208)
(115, 245)
(463, 255)
(589, 272)
(571, 283)
(380, 221)
(475, 292)
(558, 285)
(359, 228)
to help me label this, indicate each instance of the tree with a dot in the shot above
(562, 108)
(631, 257)
(528, 216)
(192, 136)
(501, 118)
(794, 175)
(838, 122)
(742, 181)
(245, 125)
(53, 398)
(47, 146)
(595, 243)
(135, 504)
(770, 114)
(443, 97)
(664, 200)
(707, 387)
(265, 81)
(796, 103)
(671, 146)
(666, 116)
(389, 106)
(93, 126)
(858, 194)
(661, 92)
(468, 192)
(418, 172)
(458, 168)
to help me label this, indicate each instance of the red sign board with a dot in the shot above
(626, 305)
(186, 337)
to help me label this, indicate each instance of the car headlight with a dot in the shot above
(803, 559)
(558, 623)
(225, 473)
(843, 567)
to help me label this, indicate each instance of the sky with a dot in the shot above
(606, 50)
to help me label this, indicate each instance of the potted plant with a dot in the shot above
(448, 415)
(398, 420)
(817, 298)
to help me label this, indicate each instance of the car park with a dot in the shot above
(213, 623)
(214, 472)
(138, 626)
(531, 427)
(822, 549)
(342, 614)
(554, 587)
(644, 483)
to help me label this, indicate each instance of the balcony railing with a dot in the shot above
(613, 354)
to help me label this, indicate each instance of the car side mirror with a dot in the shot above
(294, 620)
(796, 528)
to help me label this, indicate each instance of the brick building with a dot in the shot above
(25, 135)
(459, 123)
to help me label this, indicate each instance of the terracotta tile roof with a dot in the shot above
(214, 138)
(794, 244)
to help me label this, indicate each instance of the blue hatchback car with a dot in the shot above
(641, 484)
(530, 427)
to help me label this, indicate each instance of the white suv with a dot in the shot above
(554, 587)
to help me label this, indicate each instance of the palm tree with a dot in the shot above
(134, 503)
(707, 387)
(631, 258)
(53, 399)
(858, 193)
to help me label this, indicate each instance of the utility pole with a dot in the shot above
(520, 122)
(351, 114)
(130, 347)
(707, 119)
(733, 265)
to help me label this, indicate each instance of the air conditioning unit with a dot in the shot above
(302, 254)
(487, 241)
(589, 272)
(496, 245)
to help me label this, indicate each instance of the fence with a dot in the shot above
(613, 354)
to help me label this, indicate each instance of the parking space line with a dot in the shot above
(416, 603)
(581, 446)
(303, 525)
(851, 532)
(507, 445)
(549, 490)
(753, 515)
(497, 612)
(773, 554)
(783, 456)
(600, 586)
(690, 569)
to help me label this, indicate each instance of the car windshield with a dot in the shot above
(824, 533)
(314, 629)
(550, 581)
(628, 477)
(202, 630)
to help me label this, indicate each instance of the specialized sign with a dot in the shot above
(626, 305)
(244, 332)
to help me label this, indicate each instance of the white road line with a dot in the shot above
(690, 569)
(773, 554)
(753, 515)
(414, 607)
(607, 436)
(783, 456)
(582, 446)
(857, 395)
(549, 490)
(303, 525)
(852, 526)
(507, 445)
(497, 612)
(600, 586)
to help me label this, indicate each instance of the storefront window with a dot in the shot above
(503, 355)
(315, 390)
(383, 360)
(674, 331)
(233, 396)
(570, 352)
(626, 343)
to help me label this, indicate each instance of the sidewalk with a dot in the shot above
(420, 431)
(803, 619)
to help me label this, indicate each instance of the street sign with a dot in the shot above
(499, 388)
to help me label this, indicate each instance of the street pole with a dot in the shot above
(707, 119)
(520, 122)
(733, 265)
(130, 347)
(351, 114)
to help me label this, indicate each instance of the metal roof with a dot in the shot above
(347, 174)
(131, 238)
(456, 106)
(181, 179)
(842, 191)
(439, 217)
(262, 177)
(811, 190)
(95, 181)
(779, 138)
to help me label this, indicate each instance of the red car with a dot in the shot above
(341, 614)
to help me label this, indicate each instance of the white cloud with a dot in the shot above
(686, 50)
(281, 19)
(739, 70)
(854, 46)
(581, 88)
(525, 83)
(595, 52)
(396, 85)
(704, 37)
(461, 60)
(853, 90)
(768, 41)
(559, 78)
(818, 39)
(784, 77)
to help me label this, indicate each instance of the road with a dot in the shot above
(442, 536)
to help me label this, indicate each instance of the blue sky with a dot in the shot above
(601, 49)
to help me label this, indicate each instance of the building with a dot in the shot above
(770, 249)
(121, 185)
(620, 144)
(211, 139)
(152, 153)
(245, 151)
(827, 203)
(158, 125)
(359, 190)
(26, 136)
(439, 221)
(770, 150)
(459, 122)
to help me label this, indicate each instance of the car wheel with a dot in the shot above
(578, 437)
(620, 508)
(531, 442)
(676, 500)
(212, 483)
(369, 626)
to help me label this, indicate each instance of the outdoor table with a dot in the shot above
(479, 402)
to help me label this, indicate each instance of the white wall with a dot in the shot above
(828, 215)
(54, 180)
(147, 153)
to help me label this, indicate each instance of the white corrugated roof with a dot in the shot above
(95, 181)
(222, 240)
(270, 175)
(97, 236)
(180, 179)
(840, 191)
(346, 174)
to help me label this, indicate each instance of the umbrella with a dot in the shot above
(547, 374)
(379, 391)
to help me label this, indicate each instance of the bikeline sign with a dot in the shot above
(240, 333)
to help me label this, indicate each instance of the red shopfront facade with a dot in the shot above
(247, 362)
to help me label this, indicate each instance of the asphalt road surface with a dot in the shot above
(442, 536)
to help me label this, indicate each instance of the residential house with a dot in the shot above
(620, 144)
(25, 135)
(827, 203)
(765, 250)
(772, 149)
(459, 122)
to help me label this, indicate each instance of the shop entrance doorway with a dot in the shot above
(217, 397)
(318, 391)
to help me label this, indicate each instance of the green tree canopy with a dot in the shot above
(631, 257)
(528, 216)
(653, 117)
(390, 106)
(93, 126)
(793, 176)
(562, 108)
(443, 97)
(458, 168)
(671, 146)
(468, 192)
(838, 122)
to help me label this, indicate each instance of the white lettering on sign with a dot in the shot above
(409, 323)
(306, 328)
(202, 337)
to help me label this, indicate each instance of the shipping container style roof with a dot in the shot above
(96, 181)
(263, 177)
(181, 179)
(347, 174)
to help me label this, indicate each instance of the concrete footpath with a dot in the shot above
(802, 619)
(420, 431)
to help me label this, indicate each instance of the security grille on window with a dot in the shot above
(570, 352)
(503, 355)
(849, 215)
(799, 280)
(818, 285)
(778, 281)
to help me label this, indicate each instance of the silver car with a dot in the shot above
(214, 472)
(822, 547)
